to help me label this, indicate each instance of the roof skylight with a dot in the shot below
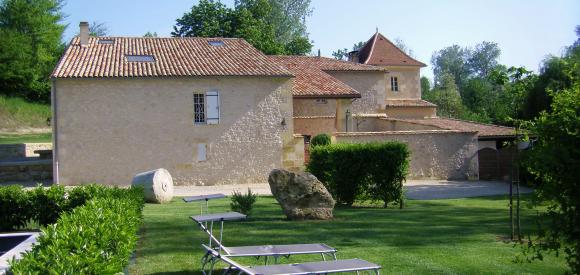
(106, 41)
(140, 58)
(216, 43)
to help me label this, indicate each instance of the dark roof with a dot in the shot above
(484, 130)
(380, 51)
(158, 57)
(312, 81)
(408, 103)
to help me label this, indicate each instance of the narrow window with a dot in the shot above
(140, 58)
(198, 108)
(201, 152)
(213, 107)
(394, 84)
(320, 101)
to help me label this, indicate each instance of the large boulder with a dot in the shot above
(158, 185)
(301, 195)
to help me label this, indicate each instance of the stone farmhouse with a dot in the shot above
(218, 111)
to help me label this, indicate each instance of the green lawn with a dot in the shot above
(459, 236)
(24, 138)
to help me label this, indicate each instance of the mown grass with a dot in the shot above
(17, 113)
(457, 236)
(24, 138)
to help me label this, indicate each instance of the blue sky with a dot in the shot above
(526, 31)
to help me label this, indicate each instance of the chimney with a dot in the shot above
(318, 52)
(84, 33)
(353, 56)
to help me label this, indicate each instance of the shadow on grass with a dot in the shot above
(433, 223)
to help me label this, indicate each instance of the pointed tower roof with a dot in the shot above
(380, 51)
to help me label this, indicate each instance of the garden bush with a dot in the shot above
(243, 203)
(15, 208)
(362, 171)
(321, 139)
(48, 203)
(95, 238)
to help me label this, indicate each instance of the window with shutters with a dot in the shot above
(206, 108)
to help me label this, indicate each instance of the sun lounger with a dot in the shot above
(336, 266)
(260, 251)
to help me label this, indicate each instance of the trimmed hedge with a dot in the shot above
(321, 139)
(44, 205)
(96, 237)
(362, 171)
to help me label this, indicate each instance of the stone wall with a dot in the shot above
(293, 157)
(371, 85)
(409, 83)
(435, 154)
(311, 126)
(22, 150)
(31, 170)
(309, 107)
(108, 130)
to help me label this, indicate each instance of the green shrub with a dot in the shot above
(321, 139)
(48, 203)
(96, 238)
(243, 203)
(359, 171)
(15, 208)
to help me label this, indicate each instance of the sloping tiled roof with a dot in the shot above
(408, 103)
(484, 130)
(192, 56)
(325, 63)
(380, 51)
(311, 81)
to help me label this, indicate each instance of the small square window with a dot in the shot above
(216, 43)
(394, 84)
(320, 101)
(140, 58)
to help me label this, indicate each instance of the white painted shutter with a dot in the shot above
(213, 107)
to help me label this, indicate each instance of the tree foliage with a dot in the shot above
(30, 45)
(342, 54)
(272, 26)
(555, 162)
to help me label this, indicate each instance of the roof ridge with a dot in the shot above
(476, 122)
(403, 52)
(372, 47)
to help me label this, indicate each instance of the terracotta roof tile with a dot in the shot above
(380, 51)
(192, 56)
(326, 64)
(484, 130)
(408, 103)
(312, 81)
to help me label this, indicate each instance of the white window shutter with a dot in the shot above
(213, 107)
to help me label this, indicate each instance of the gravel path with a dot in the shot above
(416, 189)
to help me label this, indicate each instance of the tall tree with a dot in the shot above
(342, 54)
(403, 46)
(425, 85)
(446, 96)
(30, 45)
(257, 21)
(483, 58)
(450, 60)
(98, 29)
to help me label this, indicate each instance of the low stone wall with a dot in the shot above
(30, 170)
(435, 154)
(22, 150)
